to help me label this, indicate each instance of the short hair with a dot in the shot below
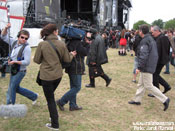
(144, 28)
(156, 28)
(170, 31)
(23, 32)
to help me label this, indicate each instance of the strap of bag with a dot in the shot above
(20, 51)
(13, 45)
(53, 46)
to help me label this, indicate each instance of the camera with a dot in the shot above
(76, 29)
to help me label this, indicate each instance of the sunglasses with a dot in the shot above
(90, 39)
(22, 37)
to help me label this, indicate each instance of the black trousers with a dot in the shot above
(49, 88)
(158, 79)
(95, 71)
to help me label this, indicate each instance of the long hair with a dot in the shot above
(47, 30)
(123, 33)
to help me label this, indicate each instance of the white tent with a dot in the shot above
(34, 36)
(17, 21)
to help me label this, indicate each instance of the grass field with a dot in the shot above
(104, 108)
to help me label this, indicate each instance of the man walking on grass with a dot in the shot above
(147, 60)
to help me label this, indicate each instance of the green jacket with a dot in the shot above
(50, 68)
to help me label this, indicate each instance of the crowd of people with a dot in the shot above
(153, 50)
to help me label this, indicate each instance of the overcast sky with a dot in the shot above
(150, 10)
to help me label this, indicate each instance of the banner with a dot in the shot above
(102, 13)
(45, 9)
(115, 13)
(3, 18)
(17, 22)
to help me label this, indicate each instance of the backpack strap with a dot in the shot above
(21, 51)
(12, 46)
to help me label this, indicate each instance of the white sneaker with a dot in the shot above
(34, 102)
(48, 125)
(6, 117)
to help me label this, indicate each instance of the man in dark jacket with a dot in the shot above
(163, 47)
(96, 57)
(75, 72)
(4, 50)
(147, 61)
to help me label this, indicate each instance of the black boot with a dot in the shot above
(107, 79)
(92, 83)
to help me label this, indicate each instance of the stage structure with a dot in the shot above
(112, 13)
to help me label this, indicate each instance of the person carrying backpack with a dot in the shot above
(19, 60)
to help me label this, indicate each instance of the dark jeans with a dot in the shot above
(158, 79)
(49, 88)
(70, 96)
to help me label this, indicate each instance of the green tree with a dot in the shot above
(137, 24)
(170, 24)
(159, 23)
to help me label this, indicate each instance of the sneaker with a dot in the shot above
(48, 125)
(166, 104)
(166, 72)
(34, 102)
(134, 103)
(6, 117)
(134, 81)
(151, 95)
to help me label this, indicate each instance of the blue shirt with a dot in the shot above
(25, 55)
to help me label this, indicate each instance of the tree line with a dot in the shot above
(163, 25)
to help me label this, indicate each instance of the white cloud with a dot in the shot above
(150, 10)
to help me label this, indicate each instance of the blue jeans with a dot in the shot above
(167, 67)
(135, 64)
(75, 86)
(168, 64)
(14, 87)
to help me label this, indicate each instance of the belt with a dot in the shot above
(22, 71)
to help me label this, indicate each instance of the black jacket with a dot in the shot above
(136, 43)
(163, 46)
(4, 48)
(77, 66)
(97, 52)
(147, 54)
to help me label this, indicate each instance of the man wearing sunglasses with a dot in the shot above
(18, 64)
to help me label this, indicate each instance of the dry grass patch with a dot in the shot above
(104, 108)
